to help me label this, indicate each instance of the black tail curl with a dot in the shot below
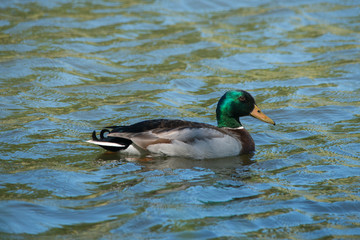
(102, 137)
(103, 132)
(123, 141)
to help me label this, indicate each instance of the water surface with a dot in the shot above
(69, 67)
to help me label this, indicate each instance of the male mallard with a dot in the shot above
(189, 139)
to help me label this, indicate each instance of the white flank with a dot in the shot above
(198, 143)
(108, 144)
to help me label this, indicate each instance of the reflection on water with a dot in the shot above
(160, 163)
(68, 67)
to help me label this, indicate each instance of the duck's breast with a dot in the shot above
(247, 142)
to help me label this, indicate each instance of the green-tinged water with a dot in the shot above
(69, 67)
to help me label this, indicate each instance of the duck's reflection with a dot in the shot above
(151, 162)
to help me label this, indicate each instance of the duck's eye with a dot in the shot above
(259, 111)
(242, 99)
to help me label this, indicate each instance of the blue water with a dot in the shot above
(69, 67)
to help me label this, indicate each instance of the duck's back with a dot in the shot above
(159, 125)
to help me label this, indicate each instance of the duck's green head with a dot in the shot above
(235, 104)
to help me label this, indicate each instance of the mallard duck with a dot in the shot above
(186, 138)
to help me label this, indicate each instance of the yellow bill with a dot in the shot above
(257, 113)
